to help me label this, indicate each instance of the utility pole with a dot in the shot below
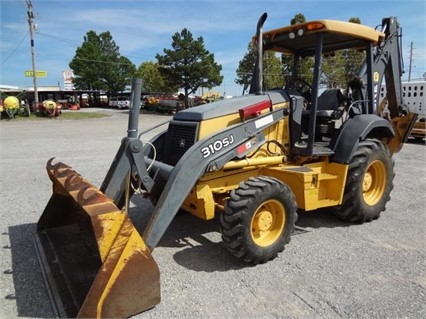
(31, 25)
(411, 60)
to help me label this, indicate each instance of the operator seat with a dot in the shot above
(329, 102)
(329, 109)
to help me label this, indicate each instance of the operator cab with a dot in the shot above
(318, 111)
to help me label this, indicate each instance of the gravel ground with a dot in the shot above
(332, 270)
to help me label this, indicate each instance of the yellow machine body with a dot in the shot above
(316, 184)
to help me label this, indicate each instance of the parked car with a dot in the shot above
(119, 103)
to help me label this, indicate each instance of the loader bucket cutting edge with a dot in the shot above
(94, 262)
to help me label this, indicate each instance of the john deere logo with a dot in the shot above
(376, 77)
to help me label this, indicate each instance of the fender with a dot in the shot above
(357, 129)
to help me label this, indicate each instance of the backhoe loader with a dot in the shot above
(253, 161)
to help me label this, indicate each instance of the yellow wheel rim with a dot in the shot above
(374, 183)
(268, 223)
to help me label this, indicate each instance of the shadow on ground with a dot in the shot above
(417, 141)
(31, 296)
(198, 244)
(320, 218)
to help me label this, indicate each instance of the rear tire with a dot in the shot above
(258, 219)
(368, 184)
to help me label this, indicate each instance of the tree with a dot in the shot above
(98, 65)
(333, 70)
(152, 80)
(189, 65)
(272, 69)
(246, 67)
(341, 67)
(354, 58)
(298, 18)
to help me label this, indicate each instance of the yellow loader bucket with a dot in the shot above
(93, 259)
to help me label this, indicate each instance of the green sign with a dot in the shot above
(39, 74)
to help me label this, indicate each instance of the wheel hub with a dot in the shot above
(264, 220)
(374, 182)
(366, 183)
(268, 223)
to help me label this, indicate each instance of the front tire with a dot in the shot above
(258, 219)
(368, 184)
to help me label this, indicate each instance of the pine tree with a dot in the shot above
(189, 65)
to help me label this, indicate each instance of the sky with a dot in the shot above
(144, 28)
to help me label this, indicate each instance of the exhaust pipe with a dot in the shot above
(256, 86)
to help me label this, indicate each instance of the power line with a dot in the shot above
(101, 61)
(21, 28)
(17, 47)
(69, 41)
(73, 42)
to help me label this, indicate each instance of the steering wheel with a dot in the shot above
(301, 86)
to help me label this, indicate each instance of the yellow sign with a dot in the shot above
(39, 74)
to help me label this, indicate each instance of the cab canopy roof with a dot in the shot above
(301, 38)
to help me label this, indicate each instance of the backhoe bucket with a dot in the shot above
(94, 260)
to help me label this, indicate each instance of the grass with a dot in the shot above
(66, 115)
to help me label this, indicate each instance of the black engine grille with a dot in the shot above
(181, 136)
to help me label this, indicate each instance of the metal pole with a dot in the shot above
(411, 60)
(135, 104)
(31, 25)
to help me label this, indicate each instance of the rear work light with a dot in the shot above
(255, 109)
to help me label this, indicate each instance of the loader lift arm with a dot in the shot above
(195, 163)
(202, 157)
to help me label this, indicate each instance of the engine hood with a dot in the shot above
(229, 106)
